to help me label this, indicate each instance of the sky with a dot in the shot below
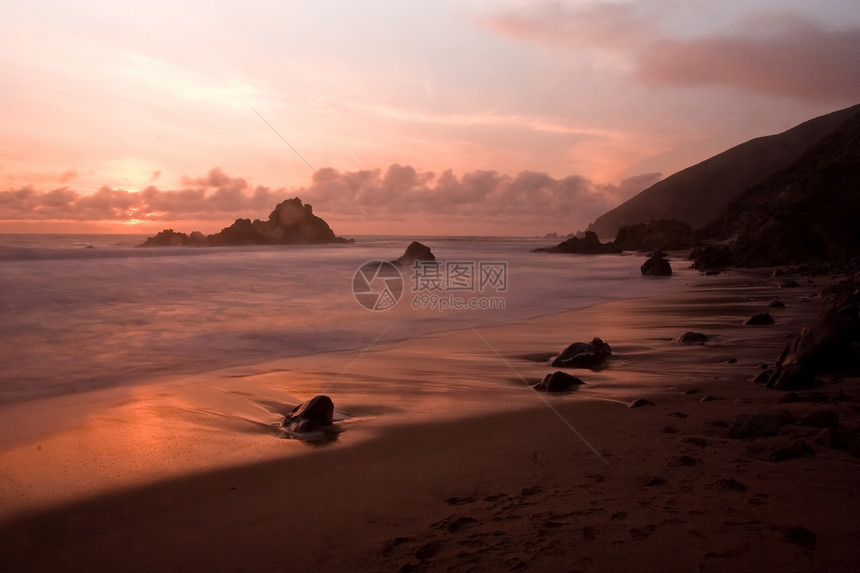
(467, 117)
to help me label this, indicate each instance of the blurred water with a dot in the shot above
(74, 318)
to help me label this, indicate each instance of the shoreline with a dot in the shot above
(394, 472)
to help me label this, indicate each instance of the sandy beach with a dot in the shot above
(444, 475)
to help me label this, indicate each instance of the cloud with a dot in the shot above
(399, 192)
(801, 61)
(776, 53)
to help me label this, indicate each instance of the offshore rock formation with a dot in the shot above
(291, 223)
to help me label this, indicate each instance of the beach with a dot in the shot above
(462, 466)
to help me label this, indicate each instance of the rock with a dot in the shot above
(821, 419)
(415, 252)
(776, 304)
(799, 536)
(651, 481)
(788, 284)
(764, 376)
(583, 355)
(639, 402)
(789, 398)
(730, 484)
(732, 361)
(711, 257)
(312, 415)
(588, 245)
(828, 437)
(765, 423)
(707, 398)
(793, 449)
(829, 341)
(762, 319)
(792, 377)
(428, 550)
(290, 223)
(558, 382)
(693, 338)
(166, 238)
(656, 266)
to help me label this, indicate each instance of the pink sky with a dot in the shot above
(427, 118)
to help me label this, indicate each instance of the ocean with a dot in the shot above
(75, 318)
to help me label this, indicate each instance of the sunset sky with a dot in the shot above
(426, 117)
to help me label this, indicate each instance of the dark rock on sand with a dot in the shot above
(830, 340)
(693, 338)
(415, 252)
(711, 258)
(790, 450)
(312, 415)
(639, 402)
(799, 536)
(792, 377)
(776, 304)
(762, 319)
(583, 355)
(765, 423)
(558, 382)
(821, 419)
(656, 266)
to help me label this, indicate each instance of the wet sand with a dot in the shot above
(458, 465)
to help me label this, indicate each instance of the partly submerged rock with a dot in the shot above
(762, 319)
(290, 223)
(312, 415)
(415, 252)
(693, 338)
(583, 355)
(639, 402)
(656, 266)
(558, 382)
(587, 245)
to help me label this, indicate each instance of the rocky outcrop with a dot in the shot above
(656, 266)
(583, 355)
(315, 414)
(290, 223)
(587, 245)
(831, 340)
(558, 382)
(415, 252)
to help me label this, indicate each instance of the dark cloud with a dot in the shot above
(780, 53)
(396, 193)
(801, 61)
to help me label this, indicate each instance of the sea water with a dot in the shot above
(85, 312)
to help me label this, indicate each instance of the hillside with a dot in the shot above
(807, 211)
(700, 193)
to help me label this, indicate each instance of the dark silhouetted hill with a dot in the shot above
(808, 211)
(700, 193)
